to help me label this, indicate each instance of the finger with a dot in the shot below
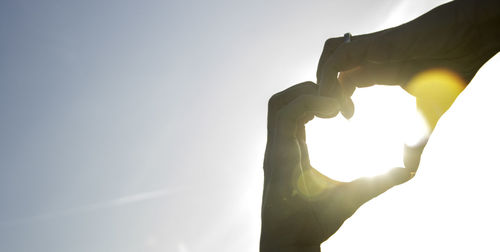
(357, 77)
(276, 102)
(335, 90)
(412, 155)
(303, 105)
(281, 99)
(292, 132)
(366, 51)
(304, 152)
(347, 55)
(340, 60)
(401, 72)
(328, 49)
(347, 108)
(328, 84)
(392, 73)
(359, 191)
(301, 138)
(332, 45)
(383, 47)
(327, 77)
(346, 80)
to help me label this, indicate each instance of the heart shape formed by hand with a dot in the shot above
(371, 142)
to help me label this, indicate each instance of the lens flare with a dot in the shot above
(435, 90)
(311, 183)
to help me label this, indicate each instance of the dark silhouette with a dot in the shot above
(460, 36)
(301, 208)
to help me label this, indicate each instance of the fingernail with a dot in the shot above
(348, 108)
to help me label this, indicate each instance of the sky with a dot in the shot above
(140, 126)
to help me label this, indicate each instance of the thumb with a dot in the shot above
(412, 155)
(359, 191)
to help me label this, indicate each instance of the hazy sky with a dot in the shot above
(140, 126)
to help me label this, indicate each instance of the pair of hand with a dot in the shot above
(301, 208)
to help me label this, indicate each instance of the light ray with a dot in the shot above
(121, 201)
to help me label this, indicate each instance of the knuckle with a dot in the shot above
(333, 43)
(273, 103)
(290, 95)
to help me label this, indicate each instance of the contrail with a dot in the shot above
(121, 201)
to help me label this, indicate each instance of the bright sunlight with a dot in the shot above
(372, 141)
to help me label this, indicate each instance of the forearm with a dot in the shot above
(453, 29)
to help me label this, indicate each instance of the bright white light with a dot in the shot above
(451, 204)
(372, 141)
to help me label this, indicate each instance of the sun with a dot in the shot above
(372, 141)
(386, 119)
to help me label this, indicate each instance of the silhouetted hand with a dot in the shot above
(301, 208)
(459, 36)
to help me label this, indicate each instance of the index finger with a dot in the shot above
(329, 86)
(328, 49)
(328, 78)
(302, 106)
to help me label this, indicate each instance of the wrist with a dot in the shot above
(284, 242)
(311, 248)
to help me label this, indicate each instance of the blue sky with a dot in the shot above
(140, 125)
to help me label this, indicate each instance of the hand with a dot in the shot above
(459, 36)
(301, 207)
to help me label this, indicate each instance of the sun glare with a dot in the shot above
(372, 141)
(435, 91)
(386, 119)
